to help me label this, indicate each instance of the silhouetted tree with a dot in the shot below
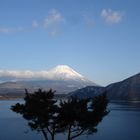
(74, 116)
(40, 110)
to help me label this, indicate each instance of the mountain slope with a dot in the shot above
(87, 92)
(128, 89)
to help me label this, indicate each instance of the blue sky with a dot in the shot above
(99, 39)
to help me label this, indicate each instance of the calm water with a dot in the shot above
(122, 123)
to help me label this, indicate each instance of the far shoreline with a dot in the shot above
(3, 98)
(10, 98)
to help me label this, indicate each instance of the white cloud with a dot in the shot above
(53, 32)
(19, 29)
(5, 30)
(23, 74)
(11, 30)
(34, 24)
(89, 21)
(14, 75)
(54, 17)
(50, 23)
(112, 17)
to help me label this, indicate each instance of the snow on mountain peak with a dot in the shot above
(65, 71)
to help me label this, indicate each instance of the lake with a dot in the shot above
(122, 123)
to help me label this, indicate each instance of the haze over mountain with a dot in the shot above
(62, 78)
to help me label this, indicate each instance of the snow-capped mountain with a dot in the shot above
(64, 72)
(60, 72)
(62, 78)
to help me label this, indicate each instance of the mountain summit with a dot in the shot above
(64, 72)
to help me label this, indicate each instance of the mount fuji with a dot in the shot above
(62, 78)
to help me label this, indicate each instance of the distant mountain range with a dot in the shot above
(66, 81)
(62, 78)
(128, 89)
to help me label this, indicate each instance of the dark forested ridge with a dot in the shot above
(128, 89)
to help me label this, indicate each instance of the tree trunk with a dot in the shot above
(53, 137)
(69, 133)
(52, 134)
(44, 134)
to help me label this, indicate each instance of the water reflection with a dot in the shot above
(128, 106)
